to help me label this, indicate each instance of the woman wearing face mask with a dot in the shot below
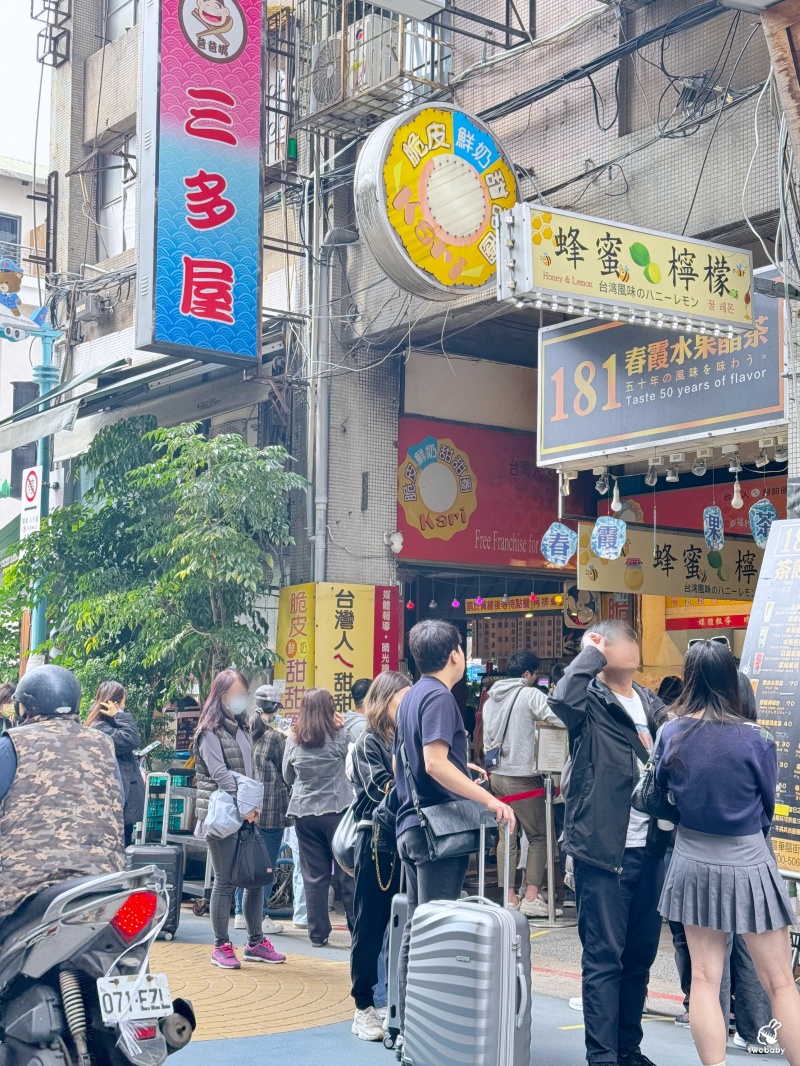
(268, 747)
(221, 748)
(108, 714)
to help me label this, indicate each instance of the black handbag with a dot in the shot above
(451, 828)
(649, 797)
(384, 823)
(491, 757)
(251, 865)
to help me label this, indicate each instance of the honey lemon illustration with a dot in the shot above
(653, 273)
(634, 573)
(639, 254)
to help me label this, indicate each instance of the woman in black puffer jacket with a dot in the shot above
(377, 875)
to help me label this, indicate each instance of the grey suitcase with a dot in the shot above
(468, 998)
(397, 923)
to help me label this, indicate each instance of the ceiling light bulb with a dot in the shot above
(529, 614)
(479, 601)
(570, 307)
(699, 467)
(410, 605)
(717, 331)
(601, 485)
(672, 474)
(651, 477)
(734, 467)
(616, 502)
(760, 458)
(432, 605)
(456, 603)
(736, 500)
(537, 304)
(505, 597)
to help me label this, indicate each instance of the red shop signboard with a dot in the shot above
(683, 508)
(472, 495)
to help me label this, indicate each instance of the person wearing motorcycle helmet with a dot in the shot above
(60, 793)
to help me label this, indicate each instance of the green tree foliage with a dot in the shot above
(158, 577)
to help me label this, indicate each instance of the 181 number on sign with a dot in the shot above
(584, 397)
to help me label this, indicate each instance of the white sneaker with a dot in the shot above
(537, 908)
(367, 1025)
(382, 1012)
(576, 1003)
(239, 922)
(269, 927)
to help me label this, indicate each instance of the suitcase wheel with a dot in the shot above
(168, 936)
(388, 1041)
(199, 907)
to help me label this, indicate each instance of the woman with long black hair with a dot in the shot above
(722, 772)
(377, 873)
(314, 767)
(222, 748)
(108, 715)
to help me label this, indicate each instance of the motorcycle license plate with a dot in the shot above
(120, 998)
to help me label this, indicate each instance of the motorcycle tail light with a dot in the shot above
(145, 1032)
(135, 914)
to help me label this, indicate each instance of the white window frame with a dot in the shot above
(120, 16)
(116, 216)
(16, 246)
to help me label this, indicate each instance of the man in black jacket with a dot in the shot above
(618, 853)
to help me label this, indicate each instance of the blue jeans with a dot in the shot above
(272, 838)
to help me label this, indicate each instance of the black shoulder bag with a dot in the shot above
(648, 796)
(451, 828)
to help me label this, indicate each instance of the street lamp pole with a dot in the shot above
(46, 376)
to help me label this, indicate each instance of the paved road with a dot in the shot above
(300, 1012)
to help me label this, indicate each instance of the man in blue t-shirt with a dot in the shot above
(429, 722)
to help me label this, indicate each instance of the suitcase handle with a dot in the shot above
(487, 818)
(523, 995)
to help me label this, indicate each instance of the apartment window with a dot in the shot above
(116, 200)
(120, 16)
(10, 228)
(25, 392)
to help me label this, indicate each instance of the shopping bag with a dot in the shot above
(251, 865)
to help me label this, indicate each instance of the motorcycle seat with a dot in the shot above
(33, 910)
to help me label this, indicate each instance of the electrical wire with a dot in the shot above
(735, 67)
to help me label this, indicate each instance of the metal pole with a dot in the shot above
(46, 376)
(333, 238)
(551, 876)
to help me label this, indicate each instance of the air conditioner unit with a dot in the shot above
(327, 83)
(372, 52)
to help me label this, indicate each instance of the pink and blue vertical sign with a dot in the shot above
(200, 157)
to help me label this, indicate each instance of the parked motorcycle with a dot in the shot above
(75, 986)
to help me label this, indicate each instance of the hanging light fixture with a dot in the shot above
(736, 500)
(672, 474)
(533, 595)
(651, 477)
(505, 594)
(735, 467)
(781, 451)
(699, 466)
(479, 598)
(410, 605)
(456, 601)
(433, 604)
(616, 502)
(601, 485)
(761, 458)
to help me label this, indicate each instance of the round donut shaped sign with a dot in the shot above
(427, 187)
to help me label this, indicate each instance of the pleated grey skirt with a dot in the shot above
(727, 883)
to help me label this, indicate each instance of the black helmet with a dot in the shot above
(49, 690)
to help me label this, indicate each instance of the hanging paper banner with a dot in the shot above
(714, 528)
(762, 515)
(559, 544)
(608, 537)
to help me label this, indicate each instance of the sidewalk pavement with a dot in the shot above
(301, 1011)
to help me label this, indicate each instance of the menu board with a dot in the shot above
(499, 637)
(771, 659)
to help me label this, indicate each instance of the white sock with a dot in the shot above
(723, 1063)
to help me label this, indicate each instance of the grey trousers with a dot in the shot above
(221, 853)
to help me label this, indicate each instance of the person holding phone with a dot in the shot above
(108, 715)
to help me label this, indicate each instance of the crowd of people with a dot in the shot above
(709, 872)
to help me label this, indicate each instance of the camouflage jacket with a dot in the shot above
(62, 816)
